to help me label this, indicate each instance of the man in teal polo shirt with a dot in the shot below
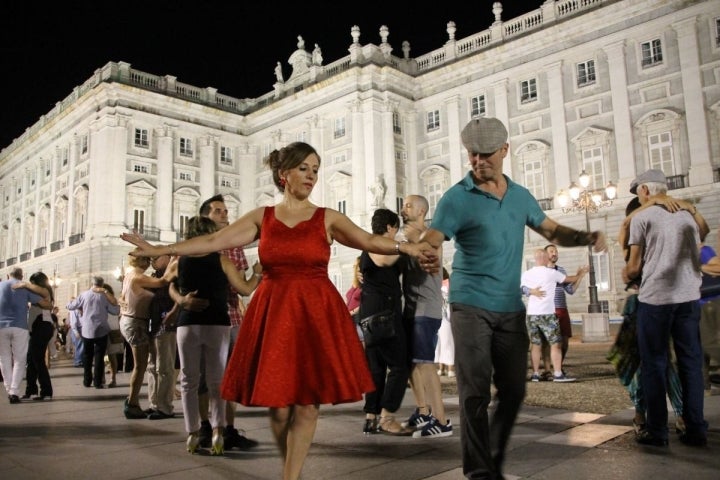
(486, 214)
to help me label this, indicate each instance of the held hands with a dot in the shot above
(426, 255)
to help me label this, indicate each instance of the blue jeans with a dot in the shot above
(489, 347)
(656, 325)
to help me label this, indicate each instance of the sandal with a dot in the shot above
(389, 426)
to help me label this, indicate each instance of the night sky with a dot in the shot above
(230, 45)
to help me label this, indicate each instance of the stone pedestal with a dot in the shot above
(596, 327)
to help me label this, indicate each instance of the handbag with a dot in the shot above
(378, 328)
(710, 286)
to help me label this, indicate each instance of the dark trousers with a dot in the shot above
(489, 346)
(389, 369)
(656, 324)
(94, 354)
(37, 371)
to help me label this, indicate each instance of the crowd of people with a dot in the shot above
(294, 347)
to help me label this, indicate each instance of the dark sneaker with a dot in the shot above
(562, 378)
(434, 429)
(206, 434)
(234, 438)
(417, 420)
(13, 399)
(535, 377)
(647, 438)
(371, 426)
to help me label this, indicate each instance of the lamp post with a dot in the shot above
(55, 281)
(581, 199)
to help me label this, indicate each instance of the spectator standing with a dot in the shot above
(76, 336)
(488, 315)
(445, 350)
(94, 304)
(664, 249)
(15, 297)
(353, 296)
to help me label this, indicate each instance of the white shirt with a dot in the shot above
(545, 279)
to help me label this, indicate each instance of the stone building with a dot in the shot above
(607, 87)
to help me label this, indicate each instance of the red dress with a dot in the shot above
(297, 344)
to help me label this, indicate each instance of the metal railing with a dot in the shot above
(40, 251)
(76, 238)
(55, 246)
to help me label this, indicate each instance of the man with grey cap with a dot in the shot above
(664, 248)
(486, 214)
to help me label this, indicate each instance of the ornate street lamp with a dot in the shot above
(581, 199)
(55, 281)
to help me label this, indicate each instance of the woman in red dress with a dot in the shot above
(300, 348)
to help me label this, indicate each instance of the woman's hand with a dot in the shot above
(144, 248)
(426, 255)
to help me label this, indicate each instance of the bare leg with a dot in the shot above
(417, 383)
(433, 389)
(535, 353)
(556, 355)
(113, 368)
(294, 429)
(140, 354)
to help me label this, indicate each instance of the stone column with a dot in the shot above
(457, 155)
(165, 180)
(697, 126)
(206, 154)
(502, 113)
(558, 122)
(623, 128)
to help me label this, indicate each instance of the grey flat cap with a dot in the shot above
(484, 135)
(650, 176)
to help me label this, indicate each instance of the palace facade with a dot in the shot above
(606, 87)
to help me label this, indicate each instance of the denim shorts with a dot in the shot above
(424, 339)
(135, 330)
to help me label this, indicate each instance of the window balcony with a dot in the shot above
(76, 238)
(39, 252)
(55, 246)
(11, 261)
(149, 233)
(676, 181)
(546, 203)
(24, 257)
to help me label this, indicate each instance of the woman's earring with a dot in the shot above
(282, 182)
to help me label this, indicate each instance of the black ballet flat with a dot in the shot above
(41, 398)
(371, 426)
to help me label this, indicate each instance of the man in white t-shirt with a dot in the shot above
(541, 318)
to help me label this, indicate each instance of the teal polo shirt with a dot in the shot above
(489, 236)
